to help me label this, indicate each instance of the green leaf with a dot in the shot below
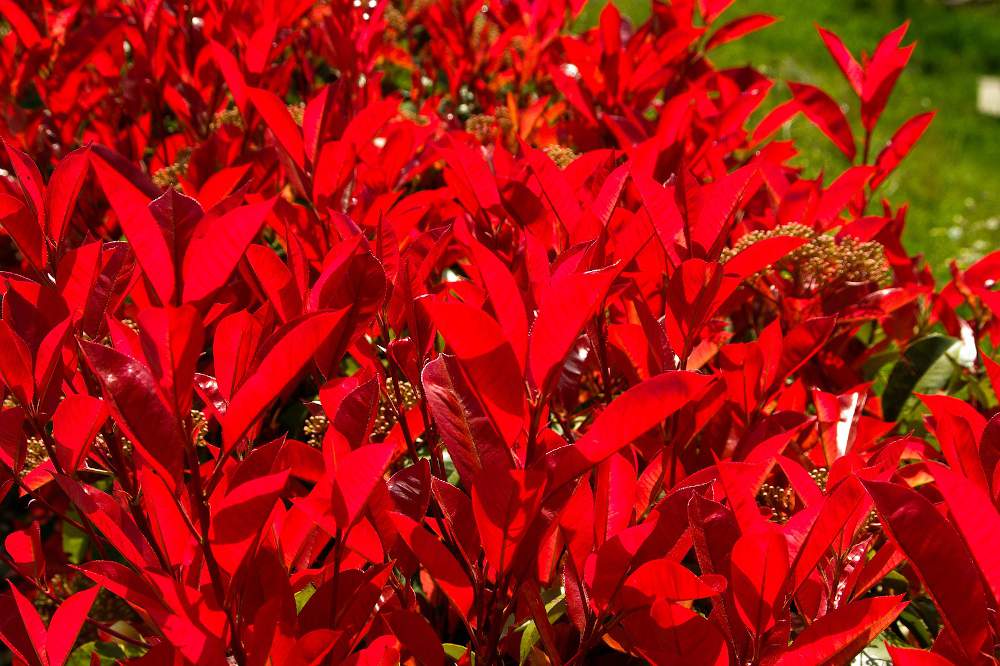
(926, 366)
(456, 652)
(303, 596)
(554, 610)
(109, 653)
(74, 543)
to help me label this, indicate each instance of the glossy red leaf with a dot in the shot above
(63, 190)
(16, 365)
(289, 350)
(672, 634)
(913, 657)
(737, 28)
(823, 112)
(487, 357)
(505, 298)
(239, 516)
(130, 200)
(75, 424)
(959, 429)
(667, 580)
(32, 629)
(567, 303)
(843, 632)
(630, 415)
(881, 73)
(17, 220)
(852, 71)
(357, 474)
(759, 579)
(66, 624)
(111, 519)
(217, 246)
(25, 550)
(172, 340)
(472, 439)
(977, 520)
(900, 145)
(504, 504)
(279, 121)
(134, 401)
(943, 563)
(439, 562)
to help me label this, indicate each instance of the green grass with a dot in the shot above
(952, 178)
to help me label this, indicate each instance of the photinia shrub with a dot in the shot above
(370, 332)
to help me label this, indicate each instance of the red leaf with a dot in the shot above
(353, 279)
(614, 497)
(504, 296)
(505, 502)
(842, 192)
(665, 580)
(462, 421)
(31, 623)
(133, 398)
(172, 340)
(112, 520)
(672, 634)
(17, 220)
(630, 415)
(169, 527)
(16, 365)
(958, 428)
(760, 579)
(64, 188)
(356, 476)
(556, 189)
(833, 528)
(881, 73)
(693, 294)
(237, 518)
(25, 550)
(237, 339)
(179, 612)
(900, 145)
(761, 255)
(843, 632)
(456, 507)
(130, 201)
(976, 518)
(217, 246)
(416, 635)
(230, 69)
(913, 657)
(826, 115)
(23, 28)
(276, 281)
(66, 624)
(738, 28)
(439, 563)
(289, 350)
(568, 302)
(350, 405)
(943, 562)
(30, 180)
(275, 114)
(75, 424)
(848, 65)
(487, 357)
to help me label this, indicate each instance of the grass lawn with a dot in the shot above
(952, 177)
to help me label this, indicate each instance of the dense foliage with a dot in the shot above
(364, 332)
